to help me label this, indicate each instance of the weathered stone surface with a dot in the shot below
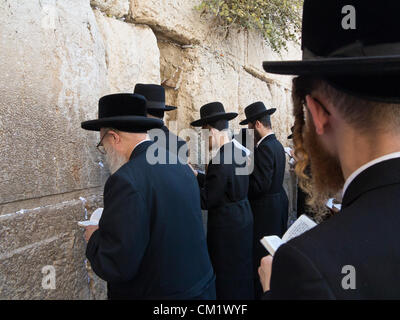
(21, 272)
(132, 54)
(257, 52)
(198, 76)
(175, 19)
(115, 8)
(46, 236)
(53, 72)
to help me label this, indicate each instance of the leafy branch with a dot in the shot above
(279, 21)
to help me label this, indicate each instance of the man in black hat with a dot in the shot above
(268, 199)
(224, 195)
(156, 107)
(150, 243)
(347, 126)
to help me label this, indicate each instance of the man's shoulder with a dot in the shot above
(122, 176)
(271, 143)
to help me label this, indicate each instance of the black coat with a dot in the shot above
(151, 242)
(365, 235)
(173, 144)
(230, 225)
(268, 198)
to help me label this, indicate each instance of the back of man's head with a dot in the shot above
(220, 125)
(353, 129)
(365, 115)
(265, 121)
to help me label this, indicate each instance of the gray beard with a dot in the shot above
(114, 160)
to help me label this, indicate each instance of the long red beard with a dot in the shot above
(326, 173)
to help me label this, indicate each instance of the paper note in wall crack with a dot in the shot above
(94, 219)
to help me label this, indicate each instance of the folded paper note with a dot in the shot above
(94, 219)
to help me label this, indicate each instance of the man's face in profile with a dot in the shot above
(114, 160)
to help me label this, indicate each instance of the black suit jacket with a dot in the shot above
(151, 242)
(268, 198)
(230, 223)
(269, 168)
(222, 185)
(365, 235)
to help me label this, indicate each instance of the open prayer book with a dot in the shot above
(301, 225)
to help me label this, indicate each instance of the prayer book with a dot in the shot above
(301, 225)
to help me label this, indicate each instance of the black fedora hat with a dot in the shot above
(123, 111)
(213, 112)
(155, 95)
(255, 111)
(347, 38)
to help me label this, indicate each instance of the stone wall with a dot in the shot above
(57, 58)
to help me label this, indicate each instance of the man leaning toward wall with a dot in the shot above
(150, 243)
(348, 92)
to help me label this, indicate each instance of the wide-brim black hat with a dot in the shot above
(256, 111)
(155, 95)
(213, 112)
(125, 112)
(346, 38)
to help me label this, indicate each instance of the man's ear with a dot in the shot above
(318, 113)
(114, 137)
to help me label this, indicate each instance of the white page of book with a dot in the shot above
(300, 226)
(271, 243)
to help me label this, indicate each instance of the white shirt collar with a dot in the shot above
(269, 134)
(147, 139)
(366, 166)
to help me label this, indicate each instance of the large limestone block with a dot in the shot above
(35, 238)
(132, 54)
(21, 273)
(115, 8)
(257, 51)
(53, 67)
(194, 77)
(47, 236)
(175, 19)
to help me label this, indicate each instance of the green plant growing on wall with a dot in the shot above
(279, 21)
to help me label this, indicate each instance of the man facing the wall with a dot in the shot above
(268, 199)
(150, 243)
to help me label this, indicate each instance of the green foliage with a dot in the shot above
(279, 21)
